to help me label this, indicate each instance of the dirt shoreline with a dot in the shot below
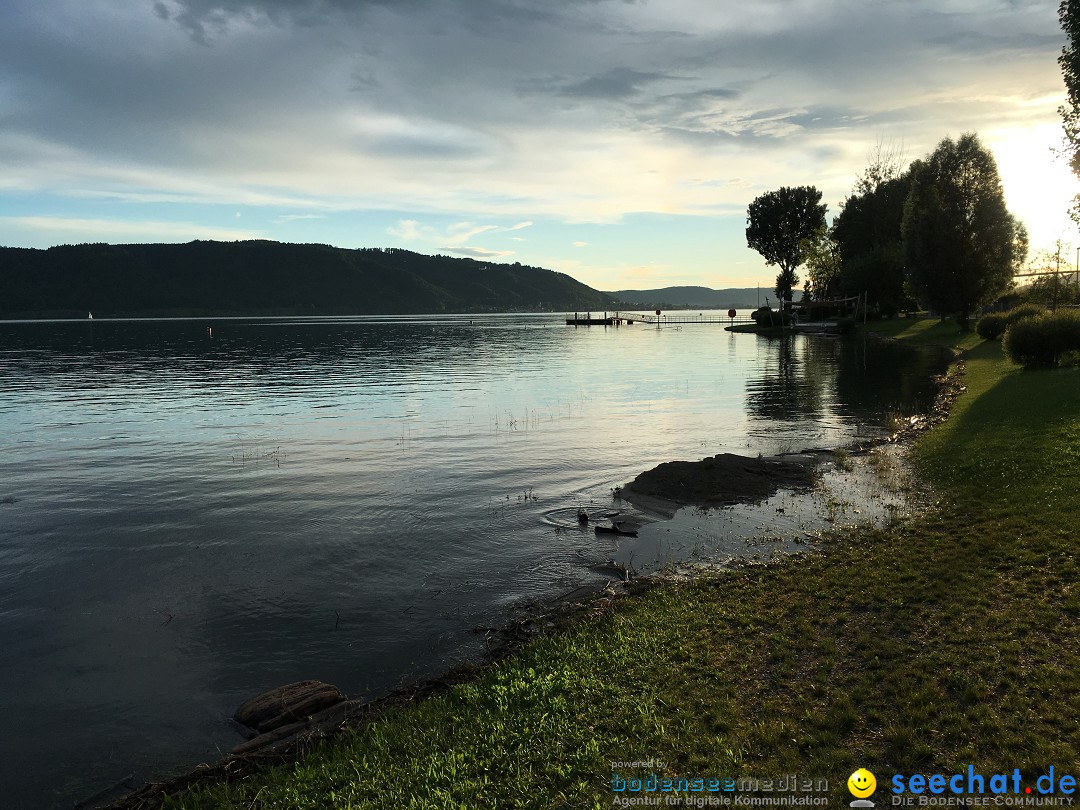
(725, 479)
(720, 480)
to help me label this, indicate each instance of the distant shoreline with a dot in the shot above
(65, 316)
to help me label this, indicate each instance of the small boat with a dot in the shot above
(582, 516)
(617, 528)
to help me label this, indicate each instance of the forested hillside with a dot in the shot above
(270, 278)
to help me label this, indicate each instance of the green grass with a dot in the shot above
(925, 330)
(946, 640)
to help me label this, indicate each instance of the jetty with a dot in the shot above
(829, 317)
(676, 319)
(587, 319)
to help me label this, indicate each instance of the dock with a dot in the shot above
(617, 319)
(587, 321)
(676, 319)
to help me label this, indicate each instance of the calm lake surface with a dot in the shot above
(187, 520)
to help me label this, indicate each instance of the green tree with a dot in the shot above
(822, 257)
(961, 243)
(777, 222)
(869, 237)
(1053, 290)
(1069, 15)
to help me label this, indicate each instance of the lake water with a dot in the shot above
(187, 519)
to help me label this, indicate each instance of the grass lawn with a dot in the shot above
(950, 639)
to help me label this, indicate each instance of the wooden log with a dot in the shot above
(262, 708)
(284, 735)
(303, 708)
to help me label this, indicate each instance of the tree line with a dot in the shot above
(935, 234)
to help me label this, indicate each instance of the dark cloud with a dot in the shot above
(205, 19)
(619, 82)
(707, 95)
(484, 100)
(433, 144)
(983, 44)
(108, 93)
(828, 117)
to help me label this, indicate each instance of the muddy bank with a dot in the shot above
(727, 479)
(720, 480)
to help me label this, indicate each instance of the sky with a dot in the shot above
(619, 141)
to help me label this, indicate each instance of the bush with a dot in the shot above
(764, 316)
(992, 326)
(1045, 340)
(1024, 311)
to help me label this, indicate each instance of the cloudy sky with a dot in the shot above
(617, 140)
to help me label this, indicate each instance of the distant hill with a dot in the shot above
(703, 297)
(270, 278)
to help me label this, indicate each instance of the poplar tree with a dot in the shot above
(961, 243)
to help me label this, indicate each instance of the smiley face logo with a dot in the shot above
(861, 783)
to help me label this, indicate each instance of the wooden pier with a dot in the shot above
(677, 319)
(608, 320)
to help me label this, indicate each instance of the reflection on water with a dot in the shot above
(188, 517)
(812, 382)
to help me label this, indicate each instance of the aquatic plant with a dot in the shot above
(842, 459)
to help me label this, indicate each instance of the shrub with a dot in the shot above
(1045, 340)
(992, 326)
(764, 316)
(1023, 311)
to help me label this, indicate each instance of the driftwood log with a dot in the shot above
(287, 711)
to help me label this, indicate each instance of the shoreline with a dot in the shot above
(547, 617)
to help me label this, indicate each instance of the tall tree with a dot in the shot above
(776, 224)
(868, 233)
(961, 243)
(822, 256)
(1069, 15)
